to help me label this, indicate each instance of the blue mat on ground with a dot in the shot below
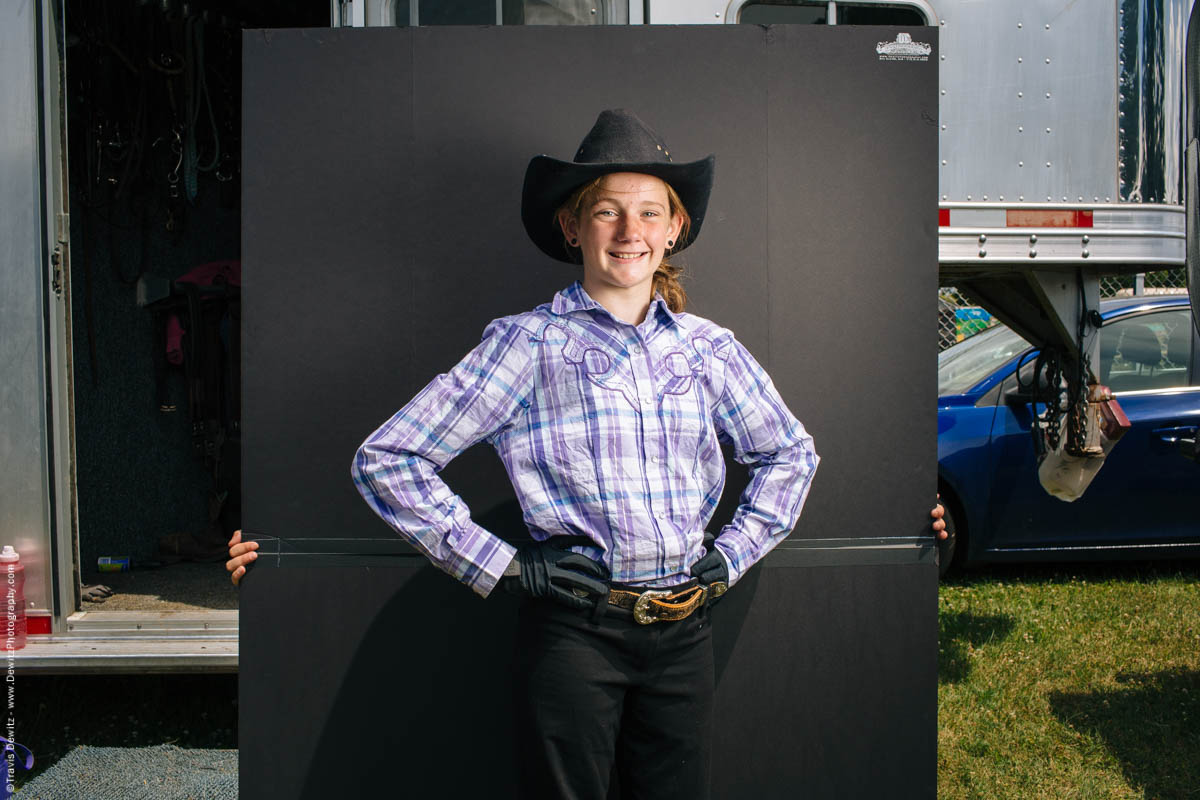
(162, 772)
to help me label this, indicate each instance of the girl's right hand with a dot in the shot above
(240, 554)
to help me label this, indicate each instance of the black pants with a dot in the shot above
(591, 692)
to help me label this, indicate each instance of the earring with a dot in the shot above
(670, 242)
(574, 242)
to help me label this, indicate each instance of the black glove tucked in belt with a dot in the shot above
(712, 568)
(560, 575)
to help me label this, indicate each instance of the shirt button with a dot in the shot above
(647, 401)
(655, 459)
(636, 349)
(661, 515)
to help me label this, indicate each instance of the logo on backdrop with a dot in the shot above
(903, 49)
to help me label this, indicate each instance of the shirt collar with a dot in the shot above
(574, 298)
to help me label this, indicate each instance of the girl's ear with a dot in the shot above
(569, 225)
(674, 228)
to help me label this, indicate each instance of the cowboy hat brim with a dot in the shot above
(549, 182)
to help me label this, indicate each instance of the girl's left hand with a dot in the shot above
(939, 526)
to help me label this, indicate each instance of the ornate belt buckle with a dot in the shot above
(717, 588)
(641, 609)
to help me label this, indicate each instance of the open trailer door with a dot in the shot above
(382, 179)
(33, 453)
(1192, 160)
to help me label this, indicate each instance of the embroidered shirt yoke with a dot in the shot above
(608, 431)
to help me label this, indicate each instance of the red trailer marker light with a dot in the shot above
(943, 217)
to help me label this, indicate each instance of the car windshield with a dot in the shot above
(967, 363)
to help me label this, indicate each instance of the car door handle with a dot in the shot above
(1175, 434)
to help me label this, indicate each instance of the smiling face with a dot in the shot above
(622, 233)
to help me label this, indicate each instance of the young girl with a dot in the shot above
(607, 406)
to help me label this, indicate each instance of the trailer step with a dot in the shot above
(142, 623)
(124, 654)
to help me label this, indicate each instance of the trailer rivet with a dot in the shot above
(1080, 200)
(1047, 163)
(943, 162)
(1086, 238)
(1047, 26)
(1064, 198)
(1001, 198)
(1047, 61)
(943, 91)
(968, 197)
(982, 252)
(1086, 254)
(1018, 24)
(1047, 95)
(982, 238)
(1033, 253)
(943, 58)
(943, 127)
(1020, 129)
(1021, 198)
(945, 197)
(1020, 94)
(985, 197)
(1033, 238)
(1107, 200)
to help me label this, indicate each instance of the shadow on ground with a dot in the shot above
(960, 631)
(1068, 571)
(1151, 725)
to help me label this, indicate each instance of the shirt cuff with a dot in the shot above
(483, 557)
(724, 550)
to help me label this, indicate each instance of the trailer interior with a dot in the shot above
(153, 104)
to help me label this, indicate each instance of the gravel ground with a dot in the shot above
(158, 772)
(54, 713)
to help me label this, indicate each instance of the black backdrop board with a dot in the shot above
(382, 233)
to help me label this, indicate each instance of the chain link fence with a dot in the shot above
(959, 317)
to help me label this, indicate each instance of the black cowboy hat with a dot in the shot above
(618, 142)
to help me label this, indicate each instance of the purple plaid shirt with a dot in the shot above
(608, 431)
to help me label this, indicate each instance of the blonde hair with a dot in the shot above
(667, 276)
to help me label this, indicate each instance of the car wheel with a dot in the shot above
(946, 547)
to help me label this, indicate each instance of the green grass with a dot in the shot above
(1070, 682)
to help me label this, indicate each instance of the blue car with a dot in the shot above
(1144, 502)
